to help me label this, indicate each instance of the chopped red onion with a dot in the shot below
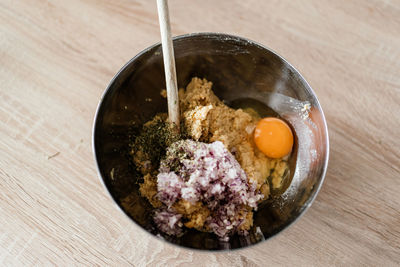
(209, 173)
(168, 222)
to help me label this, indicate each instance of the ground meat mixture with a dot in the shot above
(213, 181)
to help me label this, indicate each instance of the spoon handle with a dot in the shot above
(169, 62)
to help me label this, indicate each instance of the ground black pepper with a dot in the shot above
(154, 139)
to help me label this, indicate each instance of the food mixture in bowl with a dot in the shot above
(213, 174)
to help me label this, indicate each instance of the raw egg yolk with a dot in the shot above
(273, 137)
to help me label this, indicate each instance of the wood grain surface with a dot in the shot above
(57, 57)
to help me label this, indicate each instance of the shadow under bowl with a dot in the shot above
(239, 69)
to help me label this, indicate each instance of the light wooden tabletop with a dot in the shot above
(57, 57)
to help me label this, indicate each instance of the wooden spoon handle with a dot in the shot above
(169, 62)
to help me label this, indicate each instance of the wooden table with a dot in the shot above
(56, 58)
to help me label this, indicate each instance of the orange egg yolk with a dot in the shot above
(273, 137)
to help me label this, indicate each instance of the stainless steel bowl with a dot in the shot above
(239, 69)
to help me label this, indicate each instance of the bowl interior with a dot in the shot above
(238, 68)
